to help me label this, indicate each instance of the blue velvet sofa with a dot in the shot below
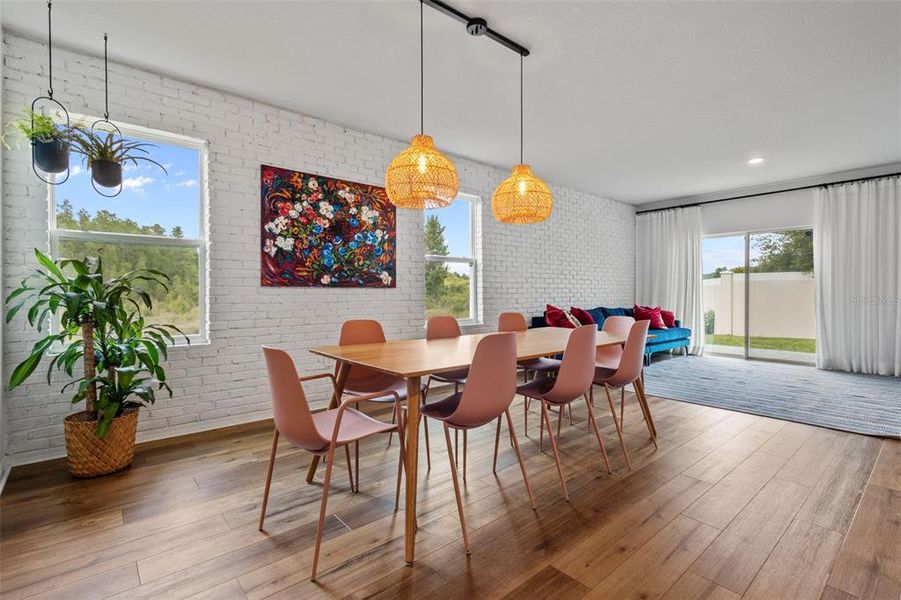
(664, 339)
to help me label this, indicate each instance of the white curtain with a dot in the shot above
(857, 263)
(668, 266)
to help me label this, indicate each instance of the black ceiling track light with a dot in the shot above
(476, 26)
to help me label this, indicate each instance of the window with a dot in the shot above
(451, 267)
(158, 221)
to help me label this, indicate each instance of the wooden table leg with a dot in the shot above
(343, 370)
(411, 463)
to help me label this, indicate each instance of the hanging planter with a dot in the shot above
(106, 173)
(49, 141)
(105, 151)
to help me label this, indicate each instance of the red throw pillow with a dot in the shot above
(644, 313)
(582, 315)
(669, 318)
(556, 317)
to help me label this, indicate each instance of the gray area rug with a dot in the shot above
(868, 404)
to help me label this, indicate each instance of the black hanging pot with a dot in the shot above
(107, 173)
(51, 157)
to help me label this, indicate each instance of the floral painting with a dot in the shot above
(324, 232)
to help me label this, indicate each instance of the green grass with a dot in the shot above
(765, 343)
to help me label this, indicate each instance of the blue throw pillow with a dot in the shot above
(629, 312)
(598, 315)
(613, 312)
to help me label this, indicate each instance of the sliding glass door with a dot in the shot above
(759, 295)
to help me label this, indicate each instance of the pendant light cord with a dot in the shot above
(521, 111)
(50, 48)
(105, 80)
(421, 72)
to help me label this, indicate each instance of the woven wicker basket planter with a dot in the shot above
(90, 456)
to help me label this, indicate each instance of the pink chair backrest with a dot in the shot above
(577, 368)
(632, 362)
(290, 410)
(614, 326)
(511, 321)
(361, 379)
(438, 328)
(491, 384)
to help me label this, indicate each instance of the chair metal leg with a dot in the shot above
(322, 509)
(597, 433)
(400, 462)
(453, 467)
(497, 439)
(618, 426)
(550, 434)
(560, 419)
(622, 404)
(268, 478)
(522, 464)
(428, 450)
(393, 421)
(464, 455)
(350, 473)
(357, 460)
(570, 414)
(645, 407)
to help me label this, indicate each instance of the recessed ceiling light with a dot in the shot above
(755, 161)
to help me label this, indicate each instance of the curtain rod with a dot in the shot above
(794, 189)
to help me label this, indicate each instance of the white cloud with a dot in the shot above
(187, 183)
(179, 173)
(137, 183)
(129, 167)
(76, 171)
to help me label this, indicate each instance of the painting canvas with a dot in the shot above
(323, 232)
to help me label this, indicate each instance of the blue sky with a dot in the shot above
(148, 195)
(455, 219)
(726, 252)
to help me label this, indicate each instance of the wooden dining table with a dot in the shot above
(417, 358)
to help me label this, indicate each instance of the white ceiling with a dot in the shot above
(638, 101)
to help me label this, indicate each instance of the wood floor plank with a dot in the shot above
(869, 563)
(788, 440)
(101, 585)
(694, 587)
(657, 565)
(814, 457)
(627, 530)
(831, 593)
(731, 454)
(734, 558)
(549, 584)
(887, 472)
(798, 567)
(834, 500)
(719, 505)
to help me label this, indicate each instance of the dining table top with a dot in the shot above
(417, 357)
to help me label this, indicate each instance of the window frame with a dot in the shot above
(201, 243)
(471, 260)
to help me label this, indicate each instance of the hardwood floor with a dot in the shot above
(730, 505)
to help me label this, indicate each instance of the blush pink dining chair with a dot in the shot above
(319, 433)
(626, 373)
(490, 388)
(572, 382)
(516, 322)
(443, 327)
(363, 381)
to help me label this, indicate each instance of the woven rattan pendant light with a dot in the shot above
(522, 198)
(421, 176)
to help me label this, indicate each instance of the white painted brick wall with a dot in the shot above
(583, 255)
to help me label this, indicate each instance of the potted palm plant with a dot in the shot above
(49, 141)
(105, 153)
(102, 325)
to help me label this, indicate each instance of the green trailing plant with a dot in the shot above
(38, 127)
(102, 325)
(94, 146)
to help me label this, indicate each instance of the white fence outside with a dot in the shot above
(782, 304)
